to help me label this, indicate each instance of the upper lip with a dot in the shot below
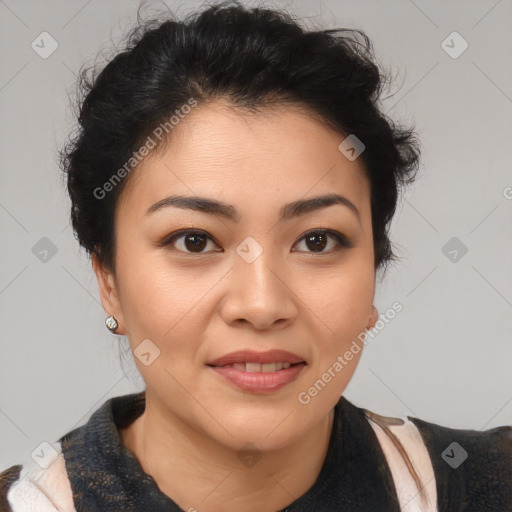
(250, 356)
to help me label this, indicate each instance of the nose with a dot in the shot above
(260, 294)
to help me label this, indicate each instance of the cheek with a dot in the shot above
(343, 302)
(166, 304)
(151, 295)
(343, 307)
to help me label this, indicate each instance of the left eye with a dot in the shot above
(319, 240)
(194, 241)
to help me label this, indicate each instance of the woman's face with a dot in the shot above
(251, 276)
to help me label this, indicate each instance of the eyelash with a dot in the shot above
(343, 241)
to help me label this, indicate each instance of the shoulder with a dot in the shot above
(82, 466)
(41, 486)
(408, 460)
(473, 467)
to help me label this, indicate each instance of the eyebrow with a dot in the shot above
(227, 211)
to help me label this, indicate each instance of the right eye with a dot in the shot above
(188, 241)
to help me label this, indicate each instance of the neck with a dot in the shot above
(198, 473)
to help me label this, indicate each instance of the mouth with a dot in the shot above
(252, 361)
(252, 367)
(258, 372)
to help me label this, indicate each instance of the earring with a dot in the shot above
(111, 324)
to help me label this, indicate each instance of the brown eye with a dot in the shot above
(316, 241)
(189, 241)
(196, 241)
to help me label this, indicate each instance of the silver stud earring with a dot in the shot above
(112, 324)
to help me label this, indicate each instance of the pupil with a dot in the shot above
(198, 242)
(320, 245)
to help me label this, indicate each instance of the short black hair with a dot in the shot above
(253, 57)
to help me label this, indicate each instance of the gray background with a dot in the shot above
(445, 358)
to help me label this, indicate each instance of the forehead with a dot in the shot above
(243, 157)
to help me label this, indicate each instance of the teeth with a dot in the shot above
(258, 367)
(252, 367)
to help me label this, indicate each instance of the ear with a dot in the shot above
(373, 317)
(108, 293)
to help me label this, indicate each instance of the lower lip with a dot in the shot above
(260, 381)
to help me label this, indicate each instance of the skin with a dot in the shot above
(199, 306)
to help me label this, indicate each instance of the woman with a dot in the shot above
(233, 181)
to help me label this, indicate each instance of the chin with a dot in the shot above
(266, 430)
(265, 440)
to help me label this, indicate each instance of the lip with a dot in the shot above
(250, 356)
(259, 382)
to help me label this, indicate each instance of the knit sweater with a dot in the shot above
(366, 468)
